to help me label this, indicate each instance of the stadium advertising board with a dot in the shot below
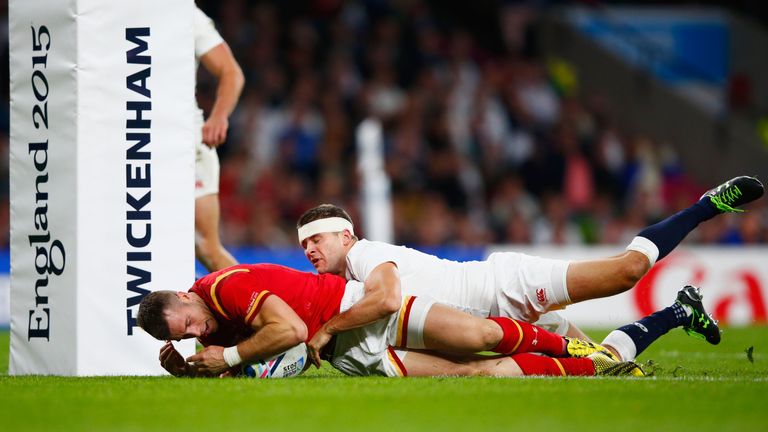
(102, 175)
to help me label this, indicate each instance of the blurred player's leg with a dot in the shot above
(596, 364)
(421, 363)
(208, 248)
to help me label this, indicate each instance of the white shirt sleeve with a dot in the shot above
(366, 256)
(206, 36)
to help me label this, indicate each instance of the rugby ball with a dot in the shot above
(284, 365)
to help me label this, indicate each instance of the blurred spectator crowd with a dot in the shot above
(484, 142)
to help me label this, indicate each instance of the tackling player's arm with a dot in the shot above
(382, 298)
(276, 328)
(220, 62)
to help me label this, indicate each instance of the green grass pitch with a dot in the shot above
(694, 386)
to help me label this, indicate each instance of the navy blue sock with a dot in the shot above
(646, 330)
(667, 234)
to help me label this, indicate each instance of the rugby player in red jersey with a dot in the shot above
(246, 312)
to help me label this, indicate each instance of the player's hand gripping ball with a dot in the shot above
(285, 365)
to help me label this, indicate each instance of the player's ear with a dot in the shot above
(182, 295)
(346, 237)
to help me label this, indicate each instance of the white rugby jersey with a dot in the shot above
(468, 286)
(206, 36)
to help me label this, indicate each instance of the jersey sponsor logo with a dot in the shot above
(541, 295)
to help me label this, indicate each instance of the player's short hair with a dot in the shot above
(151, 316)
(324, 211)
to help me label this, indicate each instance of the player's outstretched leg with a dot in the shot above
(521, 337)
(430, 363)
(687, 312)
(450, 330)
(596, 364)
(658, 240)
(447, 329)
(592, 279)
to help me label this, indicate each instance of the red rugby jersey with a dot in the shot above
(235, 296)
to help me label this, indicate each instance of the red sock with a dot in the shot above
(520, 337)
(534, 364)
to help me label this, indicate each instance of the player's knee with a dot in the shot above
(469, 370)
(206, 250)
(472, 370)
(634, 268)
(495, 368)
(207, 255)
(490, 335)
(203, 254)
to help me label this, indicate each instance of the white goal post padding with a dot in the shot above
(102, 179)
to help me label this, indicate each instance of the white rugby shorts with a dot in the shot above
(369, 350)
(527, 286)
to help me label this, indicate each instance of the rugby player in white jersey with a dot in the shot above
(214, 54)
(511, 284)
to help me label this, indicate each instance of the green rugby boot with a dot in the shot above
(734, 193)
(701, 325)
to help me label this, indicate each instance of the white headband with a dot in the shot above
(332, 224)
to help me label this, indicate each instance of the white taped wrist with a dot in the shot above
(231, 356)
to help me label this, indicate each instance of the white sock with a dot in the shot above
(622, 343)
(645, 247)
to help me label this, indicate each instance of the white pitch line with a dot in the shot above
(706, 378)
(694, 378)
(706, 355)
